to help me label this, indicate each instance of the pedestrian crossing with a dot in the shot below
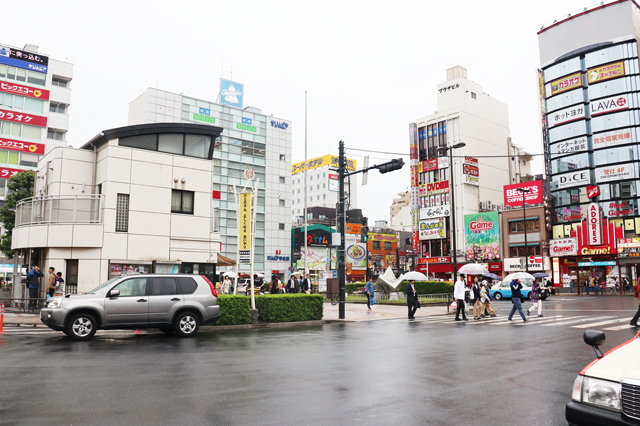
(601, 322)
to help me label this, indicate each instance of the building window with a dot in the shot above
(71, 277)
(59, 81)
(174, 143)
(281, 226)
(376, 245)
(521, 252)
(298, 190)
(181, 201)
(324, 174)
(318, 197)
(324, 185)
(310, 198)
(387, 246)
(58, 107)
(518, 226)
(29, 160)
(282, 179)
(281, 203)
(298, 200)
(293, 192)
(283, 157)
(324, 196)
(55, 134)
(32, 77)
(473, 95)
(122, 213)
(318, 187)
(298, 211)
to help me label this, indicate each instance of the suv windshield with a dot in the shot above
(102, 287)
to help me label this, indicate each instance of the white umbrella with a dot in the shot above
(229, 274)
(414, 276)
(473, 269)
(519, 276)
(298, 273)
(260, 274)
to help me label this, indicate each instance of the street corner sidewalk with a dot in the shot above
(13, 319)
(360, 312)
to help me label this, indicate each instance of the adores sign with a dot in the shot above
(563, 247)
(594, 224)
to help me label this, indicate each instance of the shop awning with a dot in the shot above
(225, 261)
(521, 219)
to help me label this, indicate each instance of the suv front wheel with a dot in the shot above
(81, 326)
(187, 324)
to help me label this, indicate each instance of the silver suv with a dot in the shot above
(172, 303)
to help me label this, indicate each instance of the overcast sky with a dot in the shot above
(369, 68)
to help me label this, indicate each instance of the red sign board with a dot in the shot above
(7, 173)
(36, 148)
(334, 177)
(16, 117)
(513, 197)
(425, 260)
(593, 191)
(470, 170)
(471, 160)
(415, 240)
(18, 89)
(594, 224)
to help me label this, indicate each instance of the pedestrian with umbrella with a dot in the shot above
(412, 296)
(516, 293)
(535, 298)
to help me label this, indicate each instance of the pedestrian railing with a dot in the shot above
(23, 304)
(400, 297)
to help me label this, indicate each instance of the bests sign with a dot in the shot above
(594, 224)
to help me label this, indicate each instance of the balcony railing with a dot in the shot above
(59, 209)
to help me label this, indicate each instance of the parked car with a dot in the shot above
(172, 303)
(503, 289)
(607, 391)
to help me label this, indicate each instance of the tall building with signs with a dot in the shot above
(35, 98)
(589, 92)
(323, 185)
(465, 114)
(249, 139)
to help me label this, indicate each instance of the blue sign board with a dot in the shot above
(604, 263)
(246, 120)
(231, 93)
(279, 124)
(205, 111)
(23, 64)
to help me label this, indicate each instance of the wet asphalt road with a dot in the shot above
(421, 372)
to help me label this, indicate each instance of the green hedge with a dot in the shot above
(289, 307)
(429, 287)
(234, 310)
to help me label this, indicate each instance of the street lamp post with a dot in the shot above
(524, 211)
(454, 256)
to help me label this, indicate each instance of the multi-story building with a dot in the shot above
(323, 186)
(249, 139)
(35, 98)
(589, 92)
(400, 212)
(480, 169)
(134, 199)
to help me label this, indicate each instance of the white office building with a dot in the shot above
(35, 99)
(323, 186)
(249, 139)
(134, 199)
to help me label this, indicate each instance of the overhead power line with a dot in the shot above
(455, 156)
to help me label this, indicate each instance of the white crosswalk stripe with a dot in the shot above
(596, 324)
(573, 321)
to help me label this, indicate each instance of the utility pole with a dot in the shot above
(392, 165)
(524, 211)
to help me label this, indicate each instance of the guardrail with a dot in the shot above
(59, 209)
(380, 297)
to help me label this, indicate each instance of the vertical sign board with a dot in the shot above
(244, 228)
(231, 93)
(594, 225)
(482, 236)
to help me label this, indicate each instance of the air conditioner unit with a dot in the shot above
(483, 205)
(489, 205)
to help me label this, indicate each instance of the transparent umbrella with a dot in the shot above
(519, 276)
(414, 276)
(473, 269)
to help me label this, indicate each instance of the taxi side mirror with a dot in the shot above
(595, 338)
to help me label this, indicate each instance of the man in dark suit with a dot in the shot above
(292, 284)
(412, 299)
(306, 284)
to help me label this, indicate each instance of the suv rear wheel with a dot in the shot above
(187, 324)
(81, 326)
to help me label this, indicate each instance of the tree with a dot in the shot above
(21, 187)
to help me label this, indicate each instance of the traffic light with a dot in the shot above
(364, 234)
(395, 164)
